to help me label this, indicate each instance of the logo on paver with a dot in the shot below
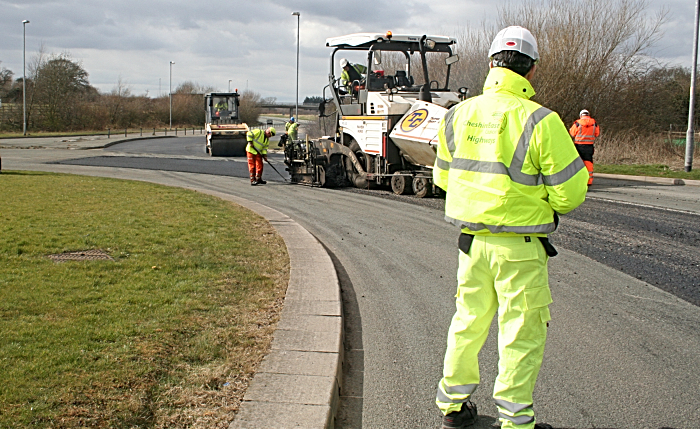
(413, 120)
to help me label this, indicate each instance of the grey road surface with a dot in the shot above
(621, 352)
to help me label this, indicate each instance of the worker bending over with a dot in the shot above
(291, 127)
(508, 167)
(584, 131)
(256, 150)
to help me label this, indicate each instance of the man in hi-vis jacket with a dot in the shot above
(508, 167)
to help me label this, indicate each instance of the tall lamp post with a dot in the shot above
(24, 76)
(296, 110)
(229, 85)
(171, 94)
(689, 143)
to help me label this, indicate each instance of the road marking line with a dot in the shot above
(643, 205)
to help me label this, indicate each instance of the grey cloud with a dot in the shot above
(242, 40)
(370, 15)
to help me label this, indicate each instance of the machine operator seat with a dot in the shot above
(402, 80)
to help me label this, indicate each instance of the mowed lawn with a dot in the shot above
(166, 335)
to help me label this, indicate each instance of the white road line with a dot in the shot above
(643, 205)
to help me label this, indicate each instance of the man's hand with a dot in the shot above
(265, 158)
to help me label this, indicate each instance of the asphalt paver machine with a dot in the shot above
(385, 125)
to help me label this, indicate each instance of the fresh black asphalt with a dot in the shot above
(657, 246)
(217, 166)
(620, 353)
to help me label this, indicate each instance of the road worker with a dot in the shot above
(584, 131)
(508, 168)
(221, 106)
(256, 150)
(351, 73)
(291, 127)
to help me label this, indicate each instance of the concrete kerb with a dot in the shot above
(127, 139)
(65, 142)
(650, 179)
(298, 382)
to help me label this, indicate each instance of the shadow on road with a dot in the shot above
(349, 414)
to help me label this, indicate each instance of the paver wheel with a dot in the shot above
(401, 185)
(422, 187)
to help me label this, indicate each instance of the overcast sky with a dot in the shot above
(251, 43)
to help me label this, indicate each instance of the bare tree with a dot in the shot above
(116, 101)
(189, 87)
(188, 103)
(60, 84)
(250, 107)
(472, 48)
(589, 48)
(5, 81)
(590, 52)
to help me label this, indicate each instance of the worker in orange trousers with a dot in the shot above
(584, 131)
(256, 150)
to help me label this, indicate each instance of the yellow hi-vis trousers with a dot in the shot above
(508, 274)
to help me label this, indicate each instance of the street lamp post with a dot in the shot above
(296, 110)
(690, 134)
(229, 85)
(171, 94)
(24, 76)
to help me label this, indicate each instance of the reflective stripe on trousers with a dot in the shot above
(511, 271)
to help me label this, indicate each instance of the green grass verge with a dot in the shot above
(164, 336)
(653, 170)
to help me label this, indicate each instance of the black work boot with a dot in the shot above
(462, 418)
(543, 426)
(253, 183)
(261, 182)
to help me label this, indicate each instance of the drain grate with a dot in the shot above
(83, 255)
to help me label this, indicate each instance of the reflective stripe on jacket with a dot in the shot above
(507, 163)
(584, 130)
(257, 142)
(356, 71)
(291, 128)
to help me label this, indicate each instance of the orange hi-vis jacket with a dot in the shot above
(584, 130)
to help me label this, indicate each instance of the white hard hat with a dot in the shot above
(515, 39)
(344, 62)
(584, 112)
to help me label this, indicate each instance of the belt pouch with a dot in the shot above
(548, 248)
(465, 242)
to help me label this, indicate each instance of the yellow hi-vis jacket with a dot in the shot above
(257, 142)
(291, 128)
(507, 163)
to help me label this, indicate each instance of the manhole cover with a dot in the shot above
(83, 255)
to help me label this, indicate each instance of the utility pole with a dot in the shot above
(24, 76)
(689, 143)
(229, 85)
(171, 94)
(296, 111)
